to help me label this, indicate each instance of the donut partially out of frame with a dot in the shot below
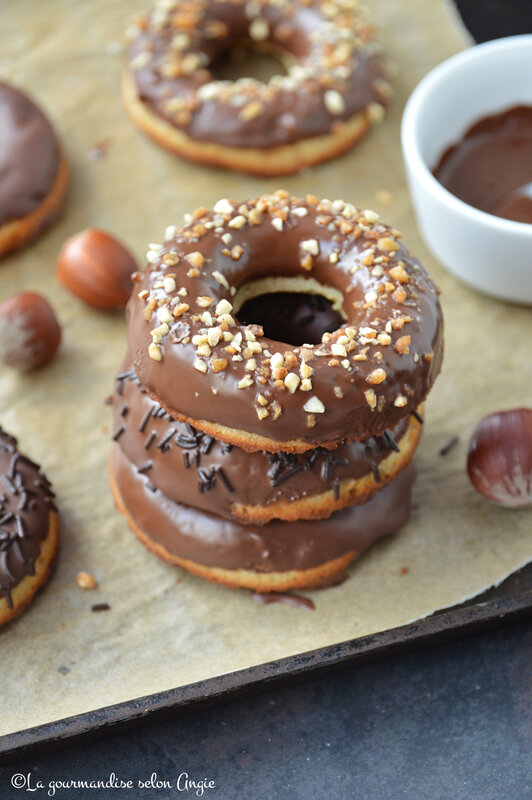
(33, 171)
(334, 89)
(29, 529)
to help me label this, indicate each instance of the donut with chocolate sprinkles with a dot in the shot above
(29, 529)
(191, 467)
(224, 376)
(276, 557)
(333, 91)
(33, 171)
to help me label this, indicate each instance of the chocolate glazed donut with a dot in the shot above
(276, 557)
(193, 468)
(333, 91)
(28, 529)
(33, 172)
(189, 348)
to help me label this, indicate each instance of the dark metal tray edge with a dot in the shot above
(452, 623)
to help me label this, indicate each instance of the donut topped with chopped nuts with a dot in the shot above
(333, 77)
(229, 380)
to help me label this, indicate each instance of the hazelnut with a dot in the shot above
(499, 461)
(97, 268)
(29, 331)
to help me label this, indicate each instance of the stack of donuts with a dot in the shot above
(270, 403)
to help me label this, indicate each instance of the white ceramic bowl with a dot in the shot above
(487, 252)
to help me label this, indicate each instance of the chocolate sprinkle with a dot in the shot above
(453, 441)
(101, 607)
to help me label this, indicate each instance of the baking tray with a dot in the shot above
(509, 601)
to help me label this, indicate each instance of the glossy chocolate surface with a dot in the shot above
(332, 50)
(29, 155)
(491, 167)
(193, 468)
(389, 300)
(278, 546)
(26, 500)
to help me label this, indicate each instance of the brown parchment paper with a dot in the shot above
(167, 628)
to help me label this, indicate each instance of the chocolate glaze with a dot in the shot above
(278, 546)
(291, 112)
(217, 476)
(26, 500)
(296, 600)
(291, 317)
(264, 251)
(29, 155)
(492, 165)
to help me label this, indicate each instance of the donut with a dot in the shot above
(333, 90)
(227, 379)
(33, 171)
(278, 557)
(29, 530)
(193, 468)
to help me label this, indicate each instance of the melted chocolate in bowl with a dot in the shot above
(491, 168)
(293, 317)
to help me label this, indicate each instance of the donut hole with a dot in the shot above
(249, 61)
(295, 311)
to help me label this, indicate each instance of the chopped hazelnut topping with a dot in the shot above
(237, 222)
(387, 244)
(334, 102)
(154, 352)
(164, 314)
(221, 279)
(180, 309)
(377, 376)
(204, 302)
(400, 401)
(246, 381)
(314, 405)
(371, 398)
(262, 413)
(402, 345)
(399, 295)
(277, 223)
(251, 111)
(338, 392)
(218, 364)
(195, 259)
(200, 365)
(311, 246)
(259, 30)
(291, 382)
(399, 273)
(306, 262)
(311, 421)
(169, 285)
(223, 307)
(223, 206)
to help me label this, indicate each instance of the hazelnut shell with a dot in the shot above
(97, 268)
(499, 462)
(29, 331)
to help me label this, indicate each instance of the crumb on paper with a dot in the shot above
(384, 197)
(101, 607)
(85, 580)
